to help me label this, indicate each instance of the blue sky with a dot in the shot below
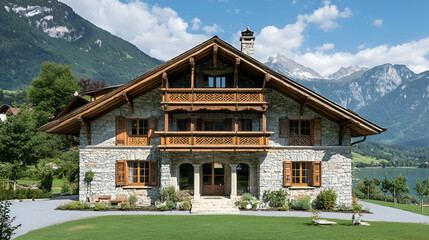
(323, 35)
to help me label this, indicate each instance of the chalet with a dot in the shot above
(5, 110)
(217, 122)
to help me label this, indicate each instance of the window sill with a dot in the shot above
(136, 187)
(303, 188)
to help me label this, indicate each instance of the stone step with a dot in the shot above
(214, 205)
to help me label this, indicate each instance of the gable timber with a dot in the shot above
(213, 48)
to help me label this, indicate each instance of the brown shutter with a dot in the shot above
(152, 125)
(287, 173)
(228, 124)
(317, 132)
(121, 131)
(316, 179)
(283, 127)
(153, 173)
(121, 173)
(199, 80)
(199, 124)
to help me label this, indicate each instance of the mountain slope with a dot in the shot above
(405, 112)
(345, 72)
(33, 31)
(291, 69)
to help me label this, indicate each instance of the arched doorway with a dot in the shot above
(186, 177)
(243, 183)
(213, 179)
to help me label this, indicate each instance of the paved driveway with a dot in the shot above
(39, 214)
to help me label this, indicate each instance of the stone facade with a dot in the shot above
(265, 168)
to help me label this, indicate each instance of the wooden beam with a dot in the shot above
(166, 122)
(303, 104)
(236, 123)
(215, 49)
(343, 126)
(86, 126)
(237, 64)
(129, 101)
(165, 79)
(192, 63)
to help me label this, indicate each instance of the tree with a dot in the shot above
(398, 186)
(6, 228)
(1, 94)
(52, 90)
(422, 190)
(367, 183)
(385, 186)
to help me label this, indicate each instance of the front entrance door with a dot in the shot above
(213, 179)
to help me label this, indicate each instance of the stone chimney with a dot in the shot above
(247, 41)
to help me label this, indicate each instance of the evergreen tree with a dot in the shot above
(385, 186)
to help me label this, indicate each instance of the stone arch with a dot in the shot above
(186, 176)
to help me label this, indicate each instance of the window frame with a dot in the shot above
(138, 173)
(130, 127)
(308, 183)
(213, 124)
(242, 125)
(300, 128)
(218, 82)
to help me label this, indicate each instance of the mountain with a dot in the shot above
(346, 72)
(34, 31)
(291, 69)
(405, 113)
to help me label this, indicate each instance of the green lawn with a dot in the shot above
(356, 157)
(221, 227)
(56, 184)
(406, 207)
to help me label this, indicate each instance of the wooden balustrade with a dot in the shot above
(137, 141)
(203, 140)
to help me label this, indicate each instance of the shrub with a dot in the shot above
(6, 228)
(275, 198)
(65, 188)
(168, 193)
(357, 208)
(327, 199)
(89, 176)
(245, 200)
(164, 208)
(99, 207)
(124, 206)
(303, 203)
(284, 208)
(47, 179)
(186, 206)
(133, 200)
(183, 195)
(75, 205)
(171, 204)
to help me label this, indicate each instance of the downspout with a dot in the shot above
(364, 138)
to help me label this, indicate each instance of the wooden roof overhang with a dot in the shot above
(71, 122)
(75, 102)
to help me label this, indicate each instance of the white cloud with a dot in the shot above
(325, 16)
(196, 24)
(325, 47)
(378, 22)
(158, 31)
(212, 29)
(234, 10)
(413, 54)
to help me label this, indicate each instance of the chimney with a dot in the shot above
(247, 41)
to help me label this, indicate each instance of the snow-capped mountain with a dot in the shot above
(346, 71)
(291, 69)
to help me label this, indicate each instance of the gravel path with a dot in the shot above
(39, 214)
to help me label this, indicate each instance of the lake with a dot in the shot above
(410, 173)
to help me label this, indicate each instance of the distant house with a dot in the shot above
(217, 122)
(5, 110)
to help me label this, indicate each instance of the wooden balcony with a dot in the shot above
(214, 99)
(214, 141)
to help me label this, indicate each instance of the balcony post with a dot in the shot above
(233, 181)
(237, 64)
(196, 180)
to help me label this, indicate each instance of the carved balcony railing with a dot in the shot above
(217, 141)
(300, 141)
(228, 99)
(137, 141)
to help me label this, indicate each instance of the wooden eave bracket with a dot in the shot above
(164, 80)
(86, 127)
(303, 104)
(192, 62)
(129, 101)
(215, 50)
(343, 126)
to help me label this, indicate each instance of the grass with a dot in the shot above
(356, 157)
(221, 227)
(406, 207)
(56, 184)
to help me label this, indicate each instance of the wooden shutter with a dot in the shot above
(316, 177)
(199, 80)
(121, 173)
(228, 124)
(283, 127)
(152, 125)
(317, 132)
(287, 173)
(199, 124)
(121, 130)
(153, 173)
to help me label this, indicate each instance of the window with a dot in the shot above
(184, 124)
(216, 82)
(245, 125)
(137, 127)
(301, 132)
(136, 173)
(302, 174)
(299, 127)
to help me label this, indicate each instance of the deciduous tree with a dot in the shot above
(422, 190)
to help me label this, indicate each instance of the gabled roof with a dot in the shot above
(76, 102)
(70, 123)
(4, 108)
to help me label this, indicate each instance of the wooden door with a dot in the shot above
(213, 179)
